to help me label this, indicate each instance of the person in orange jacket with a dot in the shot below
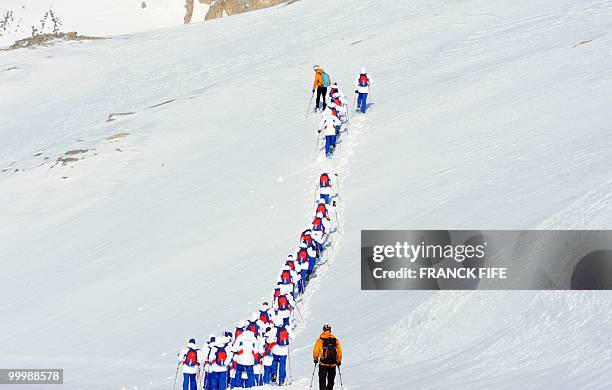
(321, 82)
(327, 352)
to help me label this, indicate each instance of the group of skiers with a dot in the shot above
(334, 105)
(256, 351)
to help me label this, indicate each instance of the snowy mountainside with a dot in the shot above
(18, 18)
(156, 196)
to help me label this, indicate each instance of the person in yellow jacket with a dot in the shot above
(327, 352)
(320, 84)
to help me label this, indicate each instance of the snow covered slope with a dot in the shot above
(194, 175)
(90, 17)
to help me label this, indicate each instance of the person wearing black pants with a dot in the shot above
(320, 86)
(327, 375)
(327, 353)
(321, 94)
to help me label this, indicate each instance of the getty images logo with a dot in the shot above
(413, 252)
(486, 259)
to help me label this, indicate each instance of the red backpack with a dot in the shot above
(302, 255)
(283, 302)
(264, 316)
(307, 240)
(220, 356)
(286, 277)
(317, 223)
(321, 209)
(191, 359)
(238, 332)
(291, 264)
(282, 337)
(324, 180)
(363, 80)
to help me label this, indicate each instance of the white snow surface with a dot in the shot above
(90, 17)
(486, 115)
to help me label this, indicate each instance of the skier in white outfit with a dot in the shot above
(267, 357)
(245, 348)
(191, 358)
(283, 306)
(205, 351)
(296, 269)
(363, 85)
(288, 280)
(280, 335)
(326, 191)
(328, 126)
(258, 369)
(220, 358)
(333, 89)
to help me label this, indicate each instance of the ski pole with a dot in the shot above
(198, 375)
(338, 182)
(340, 372)
(313, 372)
(348, 117)
(337, 223)
(289, 358)
(317, 148)
(299, 312)
(176, 375)
(309, 104)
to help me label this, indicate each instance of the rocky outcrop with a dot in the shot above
(221, 8)
(189, 8)
(42, 39)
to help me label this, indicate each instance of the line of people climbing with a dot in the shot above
(256, 352)
(333, 104)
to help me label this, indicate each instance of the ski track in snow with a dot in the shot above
(338, 168)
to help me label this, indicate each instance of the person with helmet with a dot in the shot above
(191, 358)
(363, 84)
(279, 337)
(327, 353)
(321, 82)
(328, 126)
(219, 357)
